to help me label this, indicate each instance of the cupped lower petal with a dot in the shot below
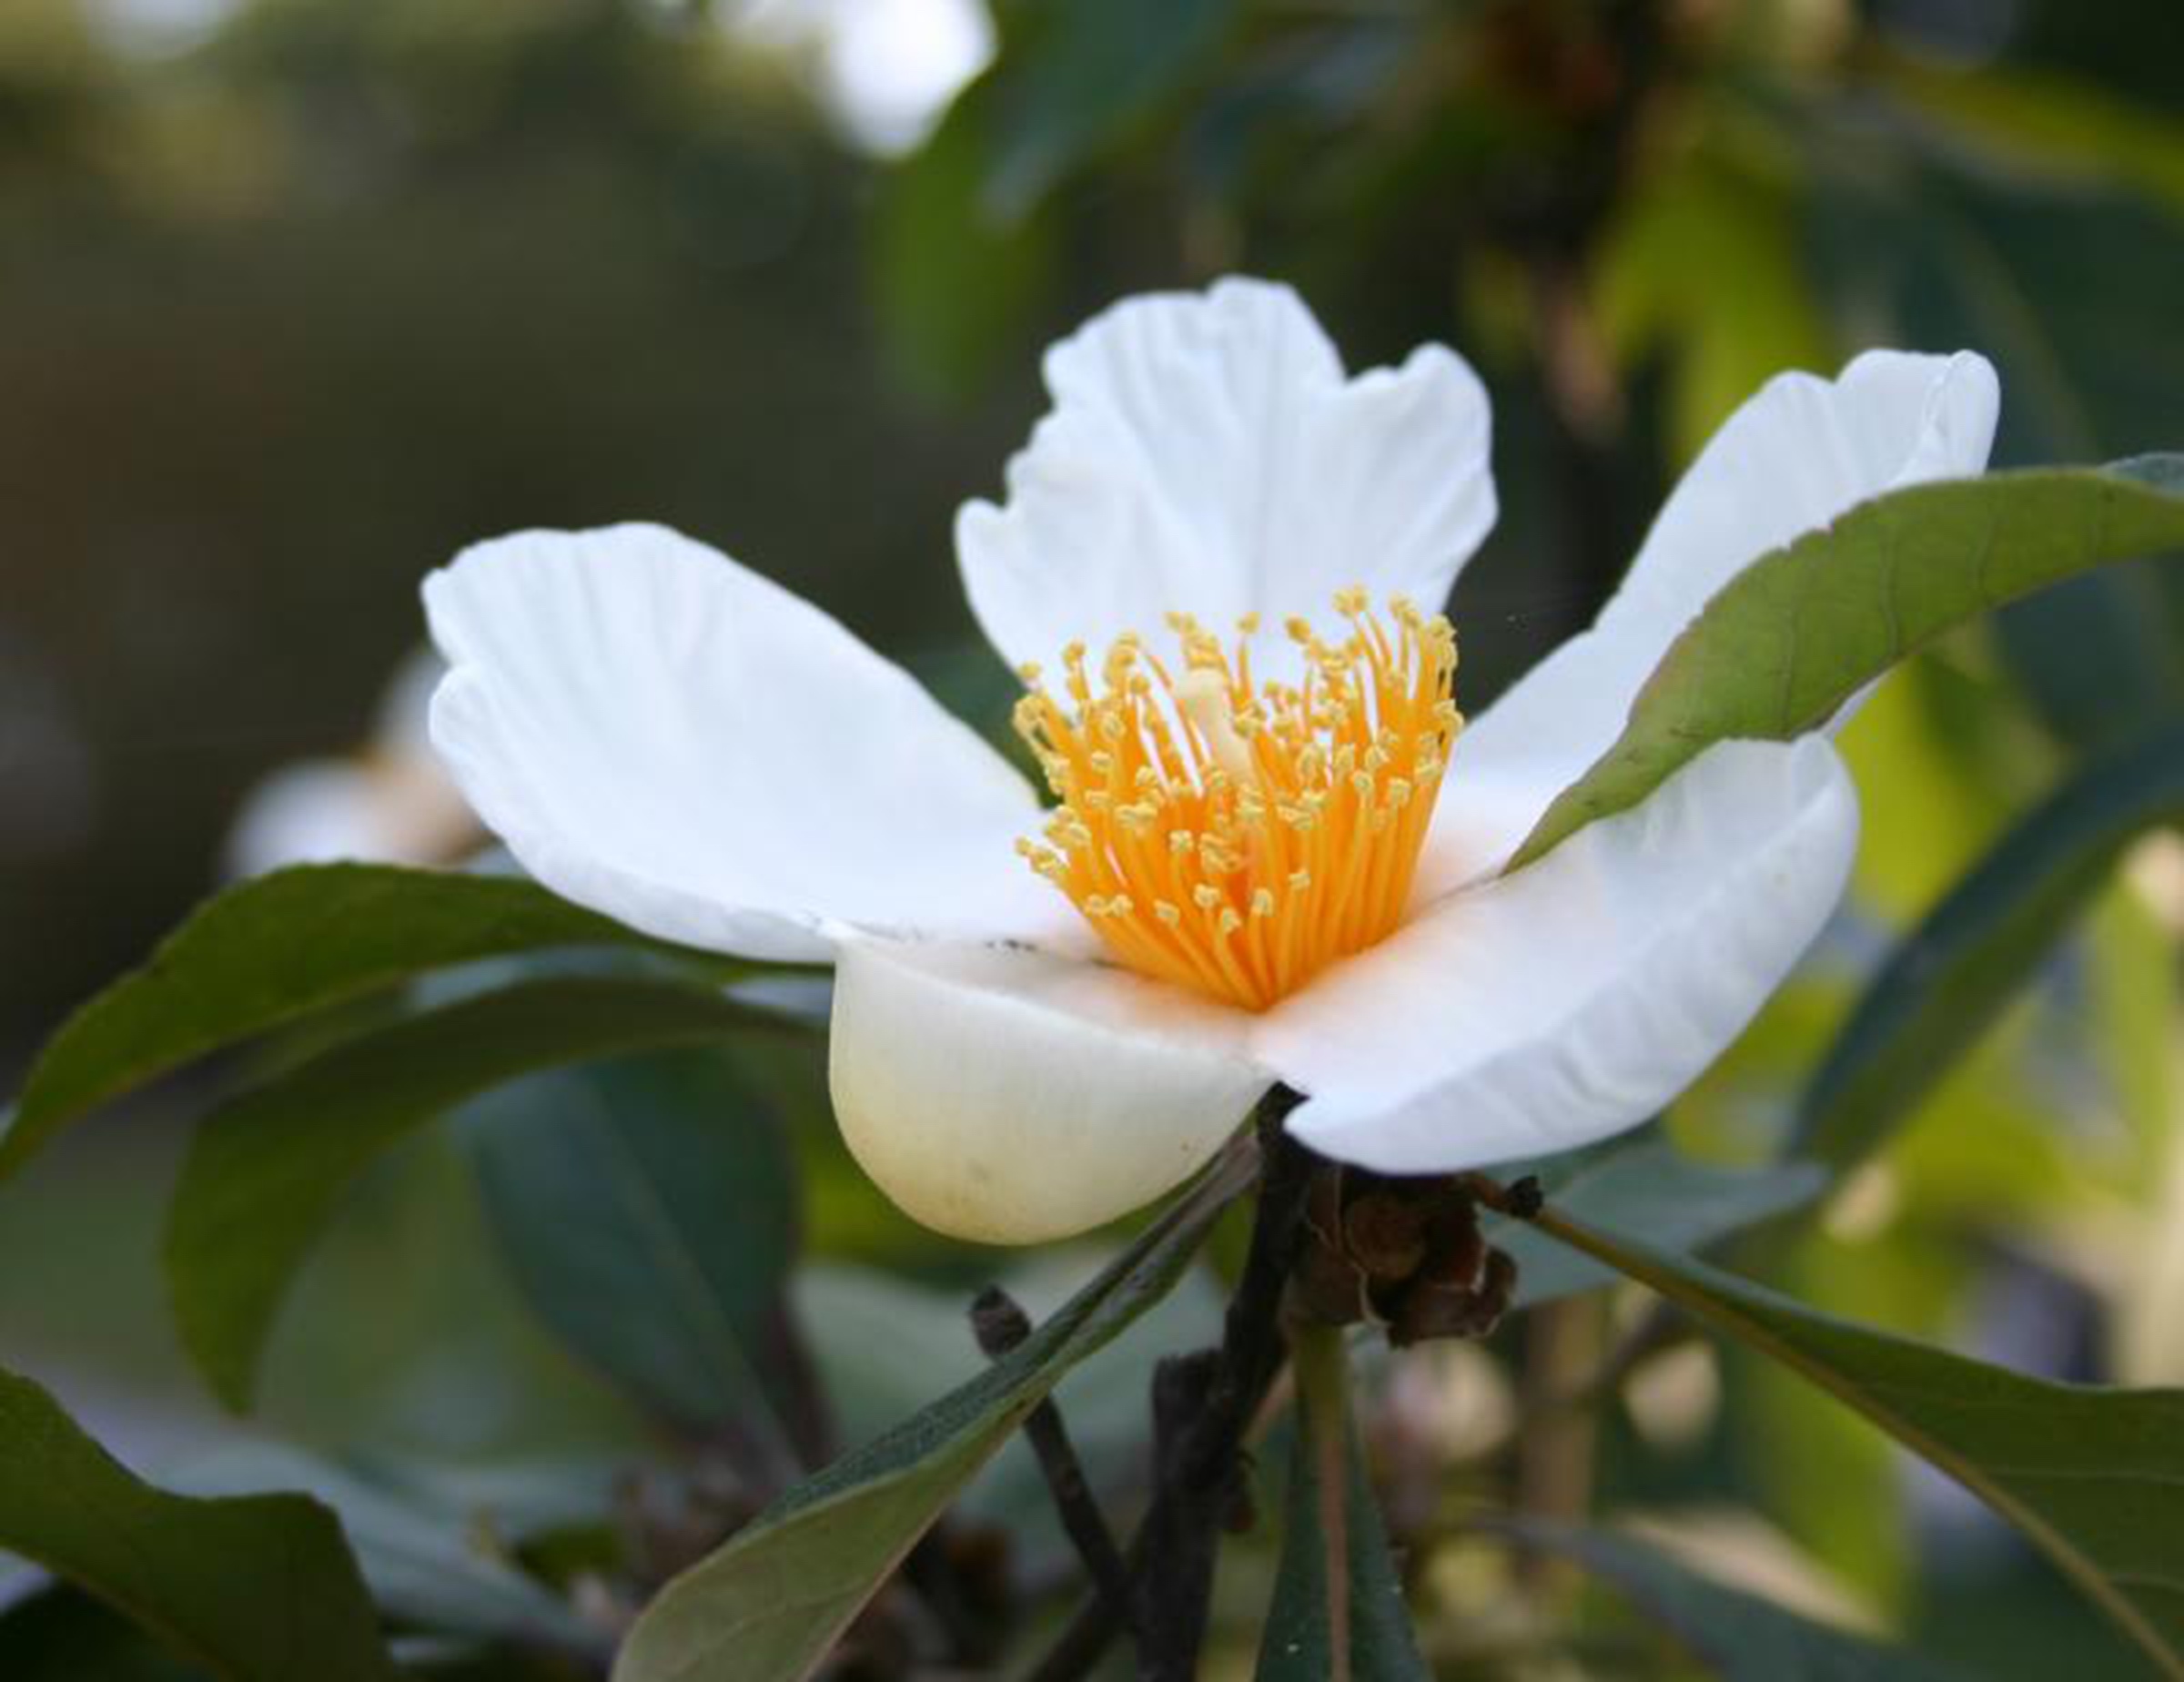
(1205, 454)
(1013, 1097)
(665, 736)
(1797, 454)
(1543, 1010)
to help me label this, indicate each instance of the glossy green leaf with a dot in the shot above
(261, 1589)
(2093, 1478)
(1951, 977)
(1784, 645)
(273, 949)
(647, 1206)
(1741, 1637)
(1642, 1183)
(1336, 1589)
(267, 1168)
(769, 1605)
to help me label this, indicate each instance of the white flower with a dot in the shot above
(663, 734)
(389, 803)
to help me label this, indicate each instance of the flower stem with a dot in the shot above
(1000, 1325)
(1202, 1405)
(1322, 1360)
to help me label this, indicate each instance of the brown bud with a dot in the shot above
(1384, 1234)
(1434, 1308)
(1455, 1249)
(1327, 1286)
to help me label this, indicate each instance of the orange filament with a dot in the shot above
(1240, 842)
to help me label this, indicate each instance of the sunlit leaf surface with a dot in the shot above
(2093, 1477)
(1800, 631)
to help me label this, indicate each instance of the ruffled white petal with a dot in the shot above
(1799, 453)
(1010, 1096)
(665, 736)
(1541, 1011)
(1206, 455)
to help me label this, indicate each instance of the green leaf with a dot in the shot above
(883, 1344)
(1336, 1589)
(2093, 1478)
(647, 1206)
(1642, 1184)
(1088, 72)
(443, 1570)
(954, 283)
(769, 1605)
(1741, 1637)
(59, 1634)
(267, 1168)
(257, 1589)
(269, 951)
(1782, 645)
(1950, 977)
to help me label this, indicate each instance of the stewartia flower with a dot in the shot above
(1276, 847)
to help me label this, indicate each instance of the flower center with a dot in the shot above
(1236, 839)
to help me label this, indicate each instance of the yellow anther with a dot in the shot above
(1295, 810)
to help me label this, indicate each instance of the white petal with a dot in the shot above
(1013, 1097)
(1543, 1010)
(1206, 455)
(665, 736)
(1795, 456)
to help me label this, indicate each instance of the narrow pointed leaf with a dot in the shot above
(260, 1588)
(1951, 977)
(2093, 1478)
(1787, 642)
(1642, 1183)
(1336, 1582)
(266, 1169)
(1742, 1638)
(274, 950)
(768, 1605)
(647, 1206)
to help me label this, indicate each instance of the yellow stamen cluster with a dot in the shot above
(1239, 840)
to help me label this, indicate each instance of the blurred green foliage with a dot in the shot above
(292, 311)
